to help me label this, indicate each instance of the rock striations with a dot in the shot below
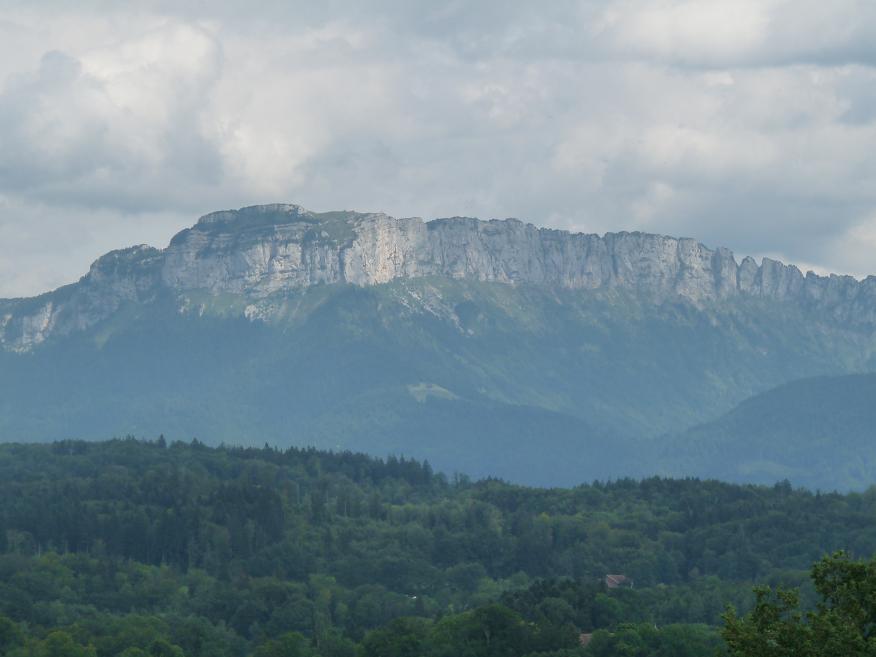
(269, 249)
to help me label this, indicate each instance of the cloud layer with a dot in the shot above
(743, 123)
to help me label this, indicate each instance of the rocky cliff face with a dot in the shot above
(264, 250)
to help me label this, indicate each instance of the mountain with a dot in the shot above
(260, 251)
(491, 347)
(819, 432)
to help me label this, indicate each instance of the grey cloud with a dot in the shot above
(751, 129)
(71, 136)
(802, 31)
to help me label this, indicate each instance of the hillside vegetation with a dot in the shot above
(134, 548)
(818, 432)
(543, 387)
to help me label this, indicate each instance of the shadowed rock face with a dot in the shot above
(264, 250)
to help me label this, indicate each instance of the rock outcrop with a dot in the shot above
(264, 250)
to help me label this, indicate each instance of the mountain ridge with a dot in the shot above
(815, 431)
(489, 347)
(265, 250)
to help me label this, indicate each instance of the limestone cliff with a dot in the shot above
(265, 250)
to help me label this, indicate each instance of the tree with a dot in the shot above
(291, 644)
(162, 648)
(10, 635)
(491, 631)
(403, 637)
(61, 644)
(844, 622)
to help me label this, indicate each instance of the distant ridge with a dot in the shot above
(493, 348)
(266, 250)
(818, 431)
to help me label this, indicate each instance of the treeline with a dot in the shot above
(123, 545)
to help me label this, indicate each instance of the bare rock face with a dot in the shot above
(264, 250)
(129, 275)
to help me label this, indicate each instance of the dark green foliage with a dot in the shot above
(291, 644)
(646, 640)
(143, 548)
(843, 623)
(11, 635)
(59, 644)
(491, 631)
(403, 637)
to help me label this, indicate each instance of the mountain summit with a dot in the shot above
(266, 250)
(488, 347)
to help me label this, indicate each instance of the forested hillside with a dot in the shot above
(136, 548)
(818, 432)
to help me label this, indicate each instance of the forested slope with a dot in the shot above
(818, 432)
(227, 551)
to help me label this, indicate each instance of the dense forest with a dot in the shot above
(141, 548)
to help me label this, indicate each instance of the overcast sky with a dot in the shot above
(749, 124)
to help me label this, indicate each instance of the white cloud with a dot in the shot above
(701, 30)
(117, 127)
(743, 123)
(706, 33)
